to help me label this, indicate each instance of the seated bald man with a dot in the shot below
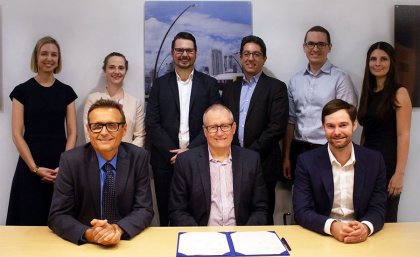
(218, 184)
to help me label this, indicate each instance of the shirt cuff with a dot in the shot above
(327, 226)
(370, 226)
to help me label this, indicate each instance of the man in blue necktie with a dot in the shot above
(102, 193)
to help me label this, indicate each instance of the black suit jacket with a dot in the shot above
(265, 123)
(163, 114)
(313, 192)
(190, 195)
(77, 192)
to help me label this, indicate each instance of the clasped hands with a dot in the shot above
(47, 175)
(350, 232)
(103, 233)
(176, 152)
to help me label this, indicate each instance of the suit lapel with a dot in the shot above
(236, 98)
(326, 173)
(93, 178)
(359, 179)
(122, 173)
(194, 88)
(173, 87)
(204, 170)
(237, 171)
(256, 96)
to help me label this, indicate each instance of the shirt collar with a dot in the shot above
(190, 77)
(228, 160)
(253, 80)
(350, 161)
(326, 68)
(102, 161)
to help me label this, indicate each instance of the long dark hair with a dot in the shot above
(388, 101)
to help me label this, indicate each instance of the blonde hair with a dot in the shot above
(35, 52)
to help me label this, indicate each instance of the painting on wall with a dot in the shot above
(1, 64)
(407, 49)
(218, 27)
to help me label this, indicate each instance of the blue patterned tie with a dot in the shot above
(109, 206)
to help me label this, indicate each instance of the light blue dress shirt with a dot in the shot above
(308, 93)
(247, 90)
(102, 174)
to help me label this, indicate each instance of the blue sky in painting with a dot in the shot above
(215, 25)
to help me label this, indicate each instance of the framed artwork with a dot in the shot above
(407, 49)
(1, 62)
(218, 27)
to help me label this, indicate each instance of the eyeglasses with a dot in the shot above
(182, 50)
(111, 126)
(215, 128)
(254, 54)
(320, 45)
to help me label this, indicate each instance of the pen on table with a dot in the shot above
(284, 242)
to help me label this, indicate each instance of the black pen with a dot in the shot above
(285, 244)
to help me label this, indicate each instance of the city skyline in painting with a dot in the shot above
(217, 26)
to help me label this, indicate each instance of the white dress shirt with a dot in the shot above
(343, 176)
(184, 90)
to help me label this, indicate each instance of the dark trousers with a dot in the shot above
(162, 179)
(297, 148)
(392, 209)
(271, 190)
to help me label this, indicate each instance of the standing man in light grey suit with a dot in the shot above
(93, 204)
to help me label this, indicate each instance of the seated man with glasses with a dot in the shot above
(102, 193)
(218, 184)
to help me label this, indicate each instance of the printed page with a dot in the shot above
(203, 243)
(257, 243)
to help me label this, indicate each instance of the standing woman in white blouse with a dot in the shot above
(115, 67)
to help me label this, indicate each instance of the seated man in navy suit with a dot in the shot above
(218, 184)
(102, 193)
(340, 188)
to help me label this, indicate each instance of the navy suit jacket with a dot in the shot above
(77, 192)
(313, 191)
(163, 114)
(265, 123)
(190, 195)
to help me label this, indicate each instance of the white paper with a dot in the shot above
(258, 242)
(203, 243)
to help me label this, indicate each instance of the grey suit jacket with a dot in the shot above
(313, 192)
(190, 194)
(77, 192)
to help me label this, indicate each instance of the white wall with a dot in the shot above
(88, 30)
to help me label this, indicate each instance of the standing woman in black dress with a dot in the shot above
(43, 126)
(385, 113)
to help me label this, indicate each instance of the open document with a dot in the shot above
(230, 244)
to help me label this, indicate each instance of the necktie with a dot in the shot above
(109, 204)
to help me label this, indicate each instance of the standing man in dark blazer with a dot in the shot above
(340, 188)
(259, 104)
(102, 193)
(174, 114)
(218, 184)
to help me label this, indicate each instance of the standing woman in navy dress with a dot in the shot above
(43, 126)
(385, 113)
